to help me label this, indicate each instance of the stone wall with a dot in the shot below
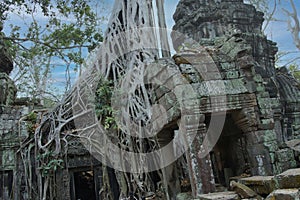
(12, 130)
(229, 64)
(263, 101)
(7, 90)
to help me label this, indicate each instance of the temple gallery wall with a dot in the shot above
(223, 55)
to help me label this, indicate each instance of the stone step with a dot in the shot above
(288, 179)
(243, 191)
(284, 194)
(219, 196)
(262, 185)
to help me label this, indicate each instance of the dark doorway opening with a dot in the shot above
(84, 185)
(229, 156)
(6, 180)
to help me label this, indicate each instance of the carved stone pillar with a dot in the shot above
(200, 169)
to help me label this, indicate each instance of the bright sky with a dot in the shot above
(277, 31)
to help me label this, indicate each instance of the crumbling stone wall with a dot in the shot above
(7, 90)
(7, 87)
(9, 114)
(262, 102)
(12, 129)
(245, 59)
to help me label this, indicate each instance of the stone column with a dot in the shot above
(259, 154)
(260, 139)
(200, 169)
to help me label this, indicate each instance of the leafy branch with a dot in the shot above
(68, 31)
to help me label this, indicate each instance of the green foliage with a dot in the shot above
(295, 71)
(49, 164)
(31, 122)
(62, 39)
(104, 111)
(49, 103)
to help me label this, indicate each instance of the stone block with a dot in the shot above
(247, 73)
(203, 68)
(257, 78)
(272, 157)
(271, 146)
(173, 113)
(269, 135)
(251, 86)
(219, 196)
(265, 113)
(242, 190)
(192, 78)
(184, 196)
(260, 88)
(7, 90)
(265, 170)
(284, 155)
(264, 102)
(187, 69)
(202, 59)
(168, 100)
(221, 87)
(282, 166)
(161, 90)
(259, 137)
(232, 75)
(260, 160)
(264, 97)
(284, 194)
(295, 145)
(8, 159)
(262, 185)
(259, 150)
(211, 76)
(266, 124)
(288, 179)
(245, 62)
(227, 66)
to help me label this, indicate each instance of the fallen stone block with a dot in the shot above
(284, 194)
(243, 191)
(262, 185)
(294, 144)
(219, 196)
(288, 179)
(184, 196)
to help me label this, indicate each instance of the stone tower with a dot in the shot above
(222, 57)
(263, 104)
(7, 87)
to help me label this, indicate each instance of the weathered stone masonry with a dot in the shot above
(12, 130)
(263, 102)
(224, 56)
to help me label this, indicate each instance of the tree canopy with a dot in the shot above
(50, 35)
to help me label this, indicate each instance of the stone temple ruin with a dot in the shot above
(224, 56)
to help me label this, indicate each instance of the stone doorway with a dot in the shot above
(6, 180)
(83, 185)
(229, 156)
